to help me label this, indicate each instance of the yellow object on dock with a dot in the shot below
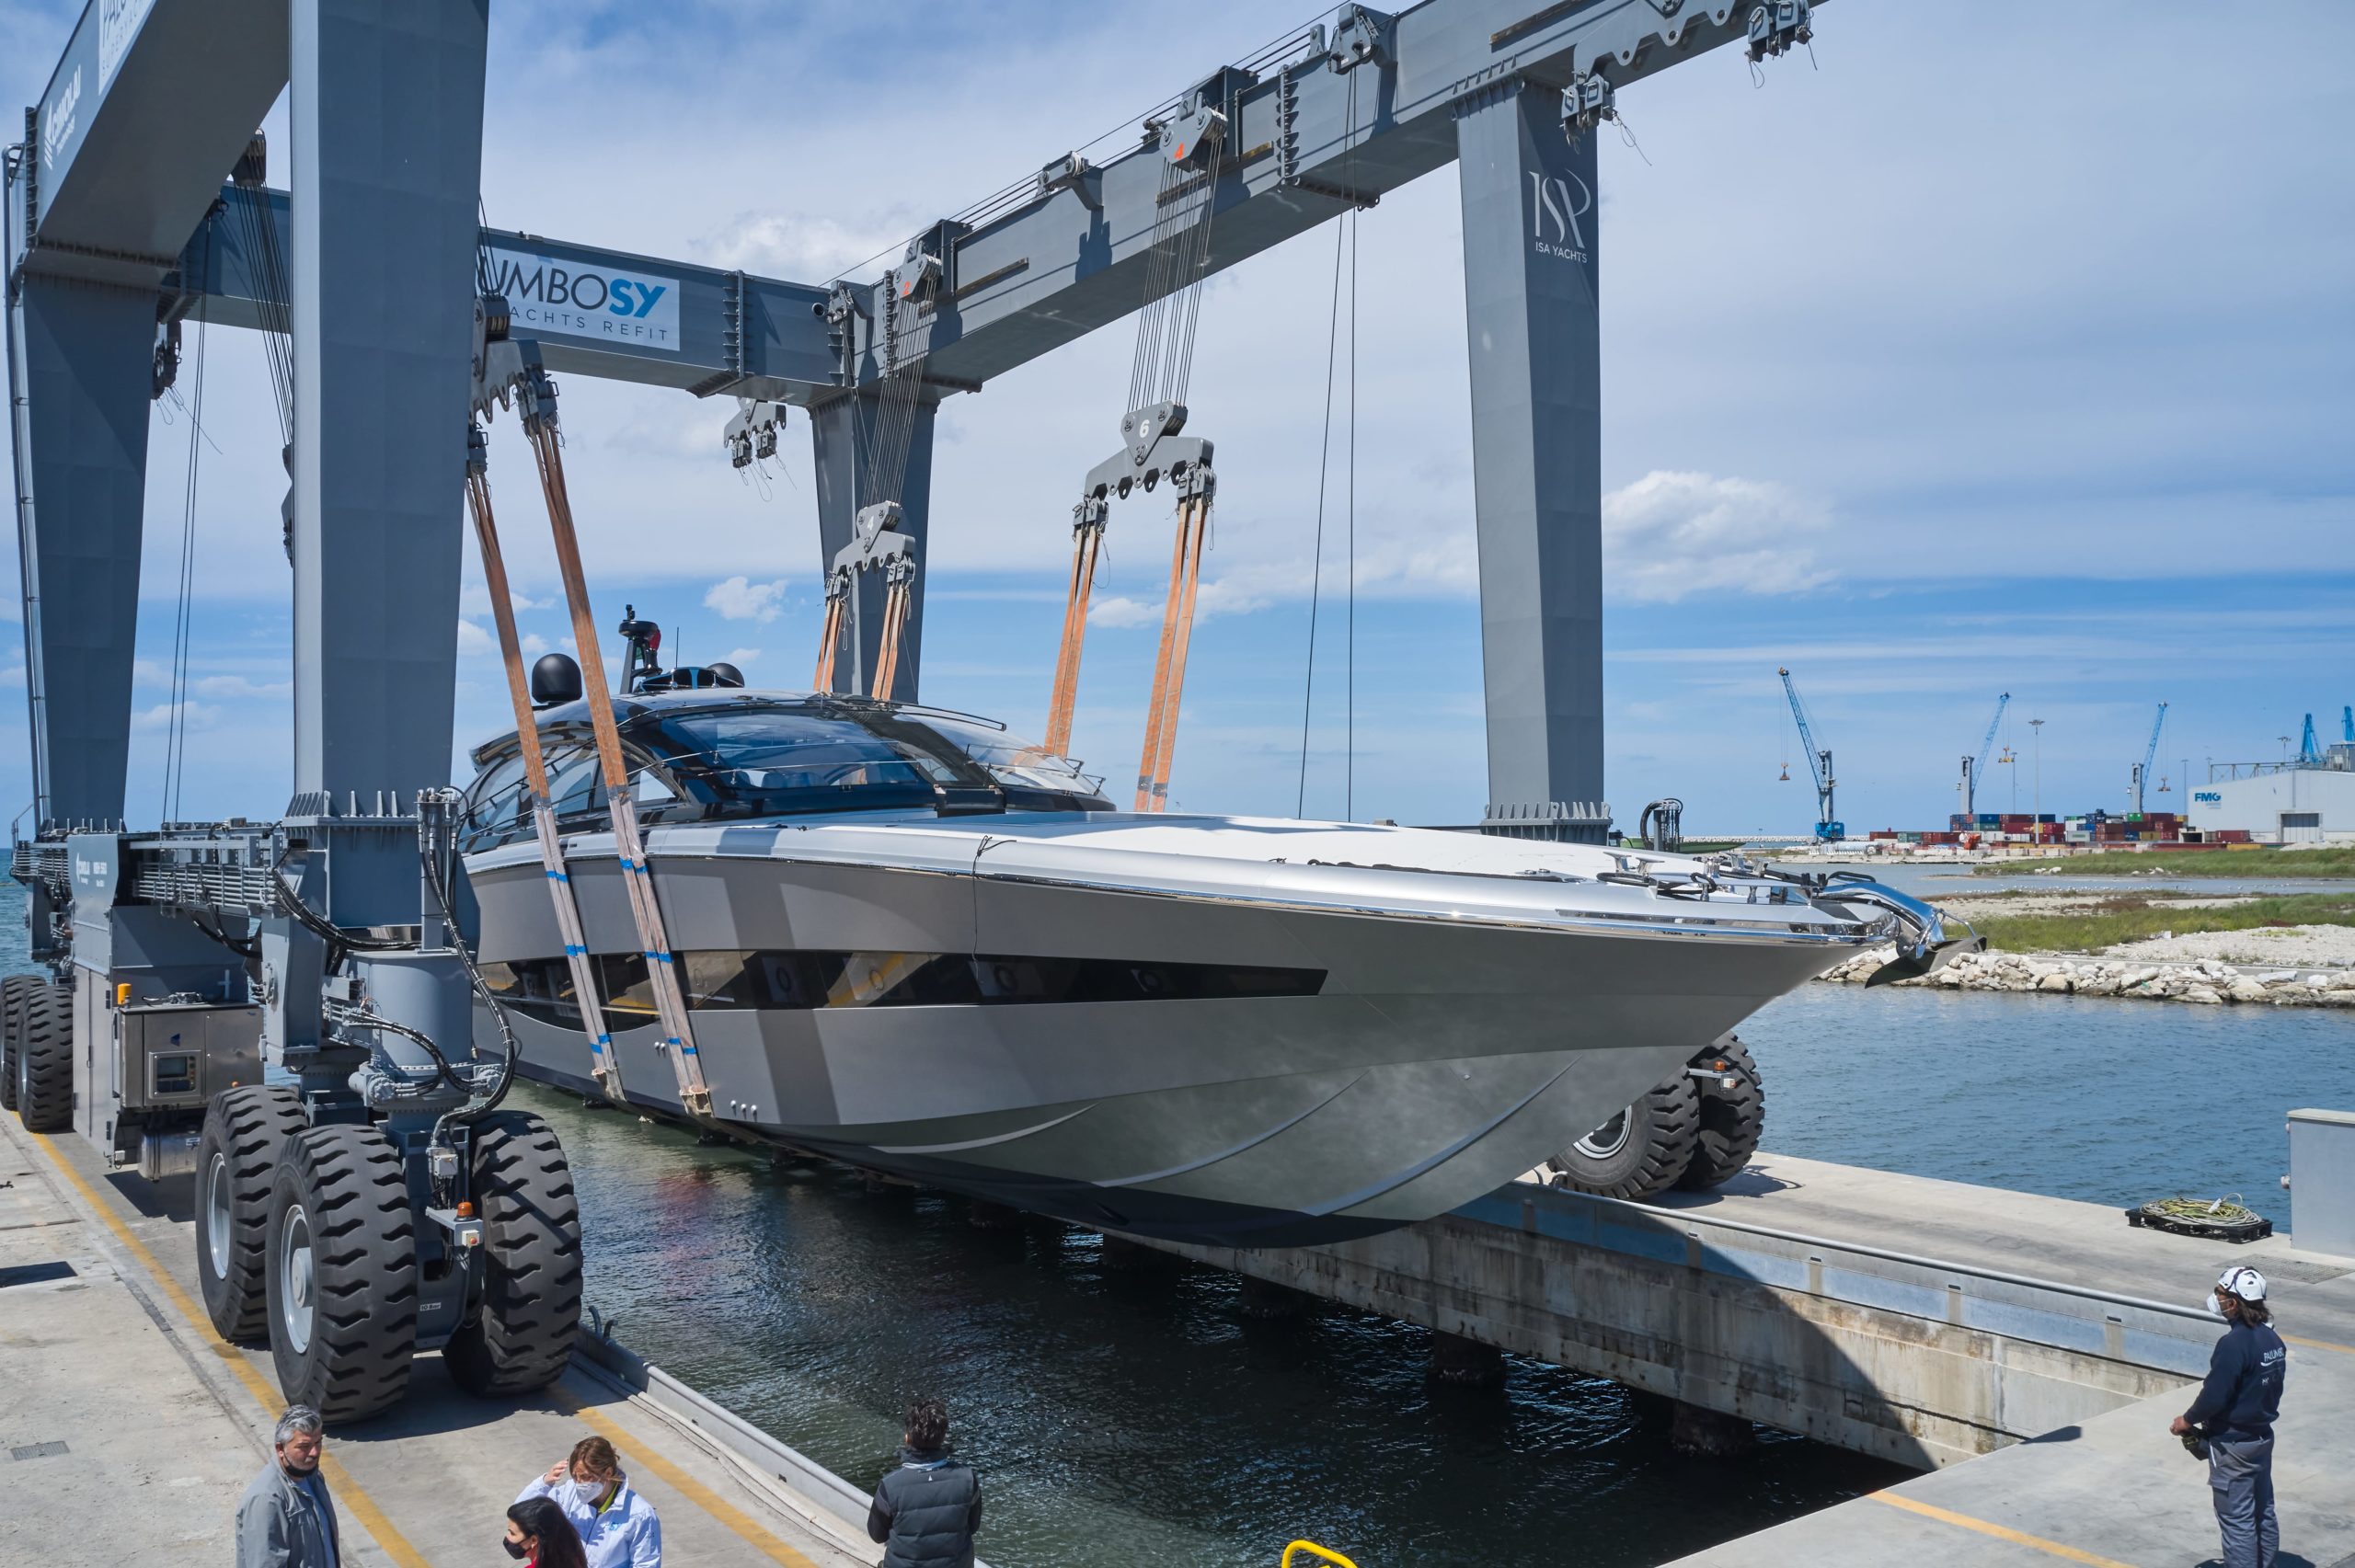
(1317, 1551)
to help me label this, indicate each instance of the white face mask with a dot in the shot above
(2213, 1305)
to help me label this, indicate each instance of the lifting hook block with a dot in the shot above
(1778, 27)
(1585, 102)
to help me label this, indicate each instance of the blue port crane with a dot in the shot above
(2142, 768)
(2347, 723)
(2309, 748)
(1974, 767)
(1819, 763)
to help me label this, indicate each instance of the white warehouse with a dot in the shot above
(2287, 804)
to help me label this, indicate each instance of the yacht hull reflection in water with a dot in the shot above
(913, 944)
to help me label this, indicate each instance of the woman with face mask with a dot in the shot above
(539, 1536)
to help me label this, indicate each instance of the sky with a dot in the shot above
(1937, 363)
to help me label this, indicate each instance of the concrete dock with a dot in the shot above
(134, 1429)
(2029, 1350)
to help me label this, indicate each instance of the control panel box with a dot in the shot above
(172, 1056)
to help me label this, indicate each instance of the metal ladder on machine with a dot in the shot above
(505, 371)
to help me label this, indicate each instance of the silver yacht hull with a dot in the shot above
(1259, 1033)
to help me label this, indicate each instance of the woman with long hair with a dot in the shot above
(539, 1536)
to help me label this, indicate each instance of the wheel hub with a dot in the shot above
(296, 1280)
(216, 1206)
(1607, 1139)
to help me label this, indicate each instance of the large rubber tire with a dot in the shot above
(1732, 1119)
(13, 990)
(340, 1272)
(45, 1058)
(1638, 1153)
(521, 1336)
(246, 1129)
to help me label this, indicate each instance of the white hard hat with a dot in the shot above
(2245, 1283)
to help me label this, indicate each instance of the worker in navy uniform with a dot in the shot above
(286, 1519)
(928, 1508)
(2234, 1413)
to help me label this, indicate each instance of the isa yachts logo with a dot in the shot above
(58, 126)
(1556, 203)
(546, 294)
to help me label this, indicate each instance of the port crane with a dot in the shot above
(1973, 765)
(2309, 748)
(322, 952)
(2142, 768)
(1827, 827)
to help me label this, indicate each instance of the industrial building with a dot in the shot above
(2307, 800)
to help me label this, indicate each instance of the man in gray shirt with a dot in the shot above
(286, 1519)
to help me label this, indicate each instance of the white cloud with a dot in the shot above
(238, 686)
(740, 599)
(1669, 534)
(739, 656)
(1121, 611)
(473, 639)
(200, 716)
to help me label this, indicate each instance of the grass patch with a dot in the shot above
(2130, 920)
(2336, 861)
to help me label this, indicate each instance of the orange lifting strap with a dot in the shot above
(831, 636)
(604, 1067)
(896, 597)
(538, 397)
(1087, 542)
(1169, 664)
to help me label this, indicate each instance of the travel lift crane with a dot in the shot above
(1819, 763)
(319, 958)
(1972, 766)
(2142, 768)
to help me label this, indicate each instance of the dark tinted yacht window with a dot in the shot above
(694, 759)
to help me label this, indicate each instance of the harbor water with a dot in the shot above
(1133, 1415)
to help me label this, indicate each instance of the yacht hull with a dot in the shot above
(1411, 1055)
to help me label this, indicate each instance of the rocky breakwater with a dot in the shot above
(2203, 982)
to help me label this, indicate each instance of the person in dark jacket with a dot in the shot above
(2235, 1411)
(928, 1508)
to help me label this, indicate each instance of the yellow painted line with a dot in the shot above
(349, 1496)
(2319, 1343)
(2001, 1532)
(749, 1529)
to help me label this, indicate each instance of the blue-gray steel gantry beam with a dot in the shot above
(1379, 101)
(387, 131)
(1528, 306)
(122, 159)
(842, 434)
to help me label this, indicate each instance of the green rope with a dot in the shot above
(2227, 1210)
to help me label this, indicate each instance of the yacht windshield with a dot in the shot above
(1013, 762)
(782, 757)
(779, 760)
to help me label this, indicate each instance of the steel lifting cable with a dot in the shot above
(1345, 228)
(606, 1066)
(661, 966)
(176, 733)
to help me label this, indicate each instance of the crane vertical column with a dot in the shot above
(1528, 287)
(387, 106)
(82, 377)
(841, 434)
